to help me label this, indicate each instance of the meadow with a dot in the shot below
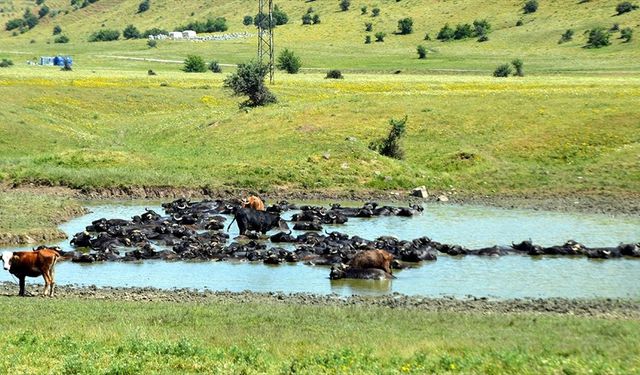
(119, 337)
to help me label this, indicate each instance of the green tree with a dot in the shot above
(625, 7)
(390, 146)
(422, 52)
(380, 36)
(57, 30)
(503, 70)
(518, 64)
(144, 6)
(249, 80)
(344, 5)
(247, 20)
(131, 32)
(405, 26)
(626, 34)
(531, 6)
(194, 64)
(446, 33)
(598, 37)
(287, 60)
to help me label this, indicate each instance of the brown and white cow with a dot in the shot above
(253, 202)
(33, 264)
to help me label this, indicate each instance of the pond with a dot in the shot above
(511, 276)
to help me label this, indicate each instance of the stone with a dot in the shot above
(443, 198)
(420, 192)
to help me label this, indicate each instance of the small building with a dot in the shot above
(189, 34)
(47, 60)
(175, 35)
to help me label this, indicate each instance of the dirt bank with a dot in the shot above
(588, 202)
(607, 308)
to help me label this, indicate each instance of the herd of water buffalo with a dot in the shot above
(196, 231)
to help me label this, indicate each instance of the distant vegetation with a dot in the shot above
(503, 70)
(105, 35)
(194, 64)
(405, 26)
(131, 32)
(248, 80)
(334, 74)
(625, 7)
(61, 39)
(390, 146)
(211, 25)
(5, 63)
(567, 36)
(288, 61)
(144, 6)
(27, 22)
(422, 52)
(598, 38)
(531, 6)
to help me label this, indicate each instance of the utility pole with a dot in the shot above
(265, 35)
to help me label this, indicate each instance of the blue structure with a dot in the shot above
(56, 61)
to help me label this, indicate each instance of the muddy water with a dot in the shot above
(472, 226)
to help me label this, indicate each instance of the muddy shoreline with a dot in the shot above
(601, 308)
(590, 202)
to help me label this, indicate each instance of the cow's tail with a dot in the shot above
(234, 219)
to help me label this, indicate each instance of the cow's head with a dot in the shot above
(6, 259)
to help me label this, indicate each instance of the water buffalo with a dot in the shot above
(260, 221)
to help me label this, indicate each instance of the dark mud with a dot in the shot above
(602, 308)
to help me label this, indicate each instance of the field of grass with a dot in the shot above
(117, 337)
(560, 134)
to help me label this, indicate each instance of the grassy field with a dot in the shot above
(116, 337)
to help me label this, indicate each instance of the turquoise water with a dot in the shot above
(473, 226)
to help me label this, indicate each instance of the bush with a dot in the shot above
(422, 52)
(363, 10)
(30, 19)
(131, 32)
(598, 37)
(566, 36)
(154, 31)
(375, 12)
(279, 16)
(44, 10)
(14, 24)
(57, 30)
(247, 20)
(144, 6)
(446, 33)
(463, 31)
(531, 6)
(367, 39)
(481, 27)
(215, 67)
(519, 23)
(105, 35)
(152, 43)
(405, 26)
(316, 19)
(518, 64)
(261, 20)
(194, 64)
(344, 5)
(626, 34)
(334, 74)
(483, 38)
(380, 36)
(249, 80)
(503, 70)
(209, 26)
(390, 146)
(5, 63)
(625, 7)
(288, 61)
(307, 19)
(61, 39)
(368, 26)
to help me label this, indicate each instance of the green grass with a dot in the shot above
(561, 134)
(34, 215)
(99, 337)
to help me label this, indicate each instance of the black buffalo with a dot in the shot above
(260, 221)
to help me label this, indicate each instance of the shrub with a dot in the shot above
(390, 146)
(405, 26)
(279, 16)
(503, 70)
(615, 27)
(5, 63)
(598, 37)
(57, 30)
(520, 23)
(344, 5)
(30, 19)
(249, 80)
(39, 2)
(483, 38)
(144, 6)
(131, 32)
(380, 36)
(625, 7)
(518, 64)
(152, 43)
(481, 27)
(367, 39)
(61, 39)
(334, 74)
(368, 26)
(422, 52)
(566, 36)
(531, 6)
(247, 20)
(463, 31)
(307, 19)
(288, 61)
(427, 37)
(154, 31)
(215, 67)
(211, 25)
(14, 24)
(44, 10)
(105, 35)
(626, 34)
(316, 19)
(194, 64)
(363, 10)
(446, 33)
(375, 12)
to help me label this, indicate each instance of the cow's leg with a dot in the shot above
(21, 293)
(53, 283)
(47, 282)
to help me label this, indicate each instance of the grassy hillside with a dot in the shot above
(338, 41)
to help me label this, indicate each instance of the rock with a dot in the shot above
(420, 192)
(326, 156)
(442, 198)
